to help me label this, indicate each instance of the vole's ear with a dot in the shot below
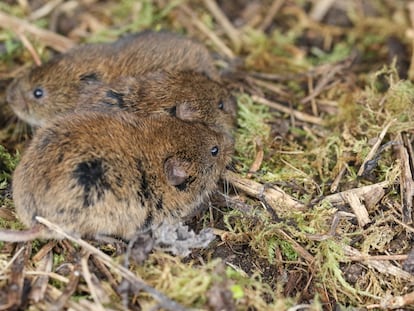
(185, 111)
(90, 78)
(176, 171)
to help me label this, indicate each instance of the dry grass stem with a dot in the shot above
(258, 159)
(222, 19)
(376, 257)
(320, 8)
(220, 45)
(380, 266)
(374, 148)
(337, 179)
(39, 285)
(44, 10)
(30, 48)
(88, 278)
(55, 41)
(271, 13)
(294, 113)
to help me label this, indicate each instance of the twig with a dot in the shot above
(15, 256)
(406, 182)
(297, 114)
(275, 196)
(39, 285)
(70, 288)
(44, 10)
(30, 48)
(320, 9)
(258, 159)
(88, 278)
(271, 13)
(383, 267)
(325, 80)
(44, 251)
(374, 148)
(16, 280)
(297, 247)
(397, 302)
(222, 19)
(337, 179)
(271, 87)
(210, 34)
(358, 208)
(62, 299)
(377, 257)
(364, 192)
(55, 41)
(137, 283)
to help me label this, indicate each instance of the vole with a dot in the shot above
(154, 92)
(98, 173)
(187, 95)
(51, 86)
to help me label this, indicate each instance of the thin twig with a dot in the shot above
(297, 114)
(320, 9)
(376, 257)
(16, 255)
(44, 10)
(222, 19)
(210, 34)
(49, 38)
(271, 13)
(137, 283)
(406, 182)
(88, 278)
(383, 267)
(30, 48)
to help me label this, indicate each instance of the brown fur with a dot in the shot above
(187, 95)
(63, 77)
(99, 174)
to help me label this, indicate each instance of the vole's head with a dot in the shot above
(46, 91)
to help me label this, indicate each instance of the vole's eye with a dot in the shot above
(221, 104)
(38, 93)
(214, 151)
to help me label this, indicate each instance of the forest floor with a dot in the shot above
(317, 214)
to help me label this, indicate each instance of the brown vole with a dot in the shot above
(187, 95)
(99, 173)
(57, 82)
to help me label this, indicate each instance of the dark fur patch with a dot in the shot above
(91, 176)
(148, 220)
(186, 183)
(46, 140)
(159, 205)
(145, 189)
(60, 158)
(89, 77)
(172, 111)
(118, 97)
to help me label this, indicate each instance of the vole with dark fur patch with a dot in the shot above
(48, 89)
(187, 95)
(100, 174)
